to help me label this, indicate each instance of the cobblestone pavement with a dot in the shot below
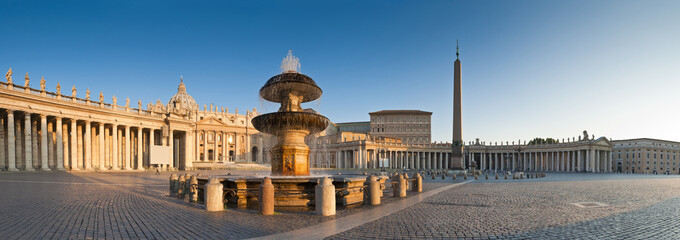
(59, 205)
(638, 206)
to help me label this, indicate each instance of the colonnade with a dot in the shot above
(584, 160)
(37, 141)
(391, 159)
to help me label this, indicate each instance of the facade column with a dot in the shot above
(101, 146)
(88, 146)
(28, 145)
(74, 145)
(60, 144)
(152, 142)
(115, 154)
(3, 137)
(127, 148)
(171, 143)
(140, 147)
(11, 142)
(205, 146)
(43, 143)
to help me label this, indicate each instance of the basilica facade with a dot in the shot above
(43, 130)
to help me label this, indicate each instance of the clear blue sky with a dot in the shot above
(530, 68)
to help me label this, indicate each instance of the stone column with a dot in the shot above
(3, 137)
(43, 143)
(140, 148)
(503, 159)
(225, 147)
(205, 146)
(11, 142)
(65, 146)
(35, 148)
(101, 145)
(88, 146)
(28, 145)
(152, 142)
(172, 148)
(115, 154)
(127, 149)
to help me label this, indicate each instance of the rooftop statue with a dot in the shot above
(26, 80)
(87, 94)
(101, 96)
(42, 84)
(8, 76)
(73, 91)
(58, 88)
(585, 135)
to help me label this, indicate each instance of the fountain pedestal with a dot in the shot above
(291, 156)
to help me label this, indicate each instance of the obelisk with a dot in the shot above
(457, 143)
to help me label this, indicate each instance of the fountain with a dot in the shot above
(290, 125)
(293, 184)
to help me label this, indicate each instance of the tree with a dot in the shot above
(543, 141)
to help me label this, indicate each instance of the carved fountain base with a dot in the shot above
(291, 156)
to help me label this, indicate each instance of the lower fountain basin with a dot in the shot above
(277, 122)
(290, 191)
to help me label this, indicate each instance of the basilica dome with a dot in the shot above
(182, 102)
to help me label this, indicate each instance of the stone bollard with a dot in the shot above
(180, 186)
(434, 176)
(266, 197)
(408, 184)
(325, 197)
(506, 176)
(477, 177)
(213, 195)
(454, 176)
(496, 176)
(187, 188)
(372, 191)
(418, 185)
(443, 176)
(402, 185)
(173, 185)
(465, 176)
(487, 177)
(193, 186)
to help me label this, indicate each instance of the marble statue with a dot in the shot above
(8, 76)
(585, 135)
(127, 102)
(42, 84)
(58, 88)
(26, 81)
(101, 96)
(73, 91)
(87, 94)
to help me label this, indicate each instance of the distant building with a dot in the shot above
(646, 155)
(411, 126)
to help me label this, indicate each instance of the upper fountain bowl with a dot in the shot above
(278, 87)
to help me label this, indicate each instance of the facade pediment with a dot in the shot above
(211, 121)
(603, 141)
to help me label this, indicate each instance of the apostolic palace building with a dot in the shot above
(43, 130)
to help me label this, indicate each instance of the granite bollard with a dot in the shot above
(213, 195)
(173, 185)
(266, 197)
(373, 191)
(325, 197)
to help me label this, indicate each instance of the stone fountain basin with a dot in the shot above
(278, 122)
(278, 87)
(290, 191)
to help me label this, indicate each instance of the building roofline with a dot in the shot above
(639, 139)
(400, 112)
(349, 123)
